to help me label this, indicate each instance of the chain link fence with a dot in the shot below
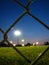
(5, 36)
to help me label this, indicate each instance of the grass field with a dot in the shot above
(8, 56)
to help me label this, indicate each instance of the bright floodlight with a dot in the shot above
(37, 42)
(22, 40)
(17, 33)
(14, 44)
(33, 44)
(22, 44)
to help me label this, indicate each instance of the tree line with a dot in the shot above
(3, 44)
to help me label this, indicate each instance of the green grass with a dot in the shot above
(8, 56)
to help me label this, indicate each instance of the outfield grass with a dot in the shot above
(8, 56)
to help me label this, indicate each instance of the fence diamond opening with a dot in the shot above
(5, 36)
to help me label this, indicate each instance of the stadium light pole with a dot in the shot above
(22, 42)
(17, 33)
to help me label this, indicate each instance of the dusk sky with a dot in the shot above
(29, 27)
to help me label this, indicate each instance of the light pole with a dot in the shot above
(17, 33)
(22, 42)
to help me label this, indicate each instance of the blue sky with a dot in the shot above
(30, 28)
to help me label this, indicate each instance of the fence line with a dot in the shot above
(15, 22)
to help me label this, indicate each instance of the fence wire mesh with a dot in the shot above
(5, 36)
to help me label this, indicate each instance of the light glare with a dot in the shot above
(22, 40)
(37, 42)
(17, 33)
(14, 44)
(22, 44)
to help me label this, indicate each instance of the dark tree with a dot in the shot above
(3, 45)
(18, 45)
(28, 44)
(46, 43)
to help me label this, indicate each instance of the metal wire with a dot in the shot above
(15, 22)
(40, 55)
(38, 20)
(6, 40)
(1, 31)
